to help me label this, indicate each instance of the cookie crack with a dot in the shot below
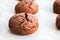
(21, 23)
(30, 5)
(26, 16)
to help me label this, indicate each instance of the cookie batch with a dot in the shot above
(56, 9)
(24, 22)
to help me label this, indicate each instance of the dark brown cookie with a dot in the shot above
(23, 23)
(56, 8)
(26, 7)
(58, 22)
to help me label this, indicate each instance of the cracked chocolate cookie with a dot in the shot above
(26, 7)
(56, 7)
(58, 22)
(23, 24)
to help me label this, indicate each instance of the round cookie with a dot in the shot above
(26, 7)
(58, 22)
(56, 7)
(23, 24)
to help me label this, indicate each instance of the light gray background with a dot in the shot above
(47, 28)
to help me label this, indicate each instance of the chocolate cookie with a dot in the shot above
(23, 23)
(58, 22)
(56, 6)
(26, 7)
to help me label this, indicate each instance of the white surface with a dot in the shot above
(47, 29)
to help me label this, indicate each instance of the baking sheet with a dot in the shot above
(47, 19)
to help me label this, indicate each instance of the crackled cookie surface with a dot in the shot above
(26, 7)
(23, 23)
